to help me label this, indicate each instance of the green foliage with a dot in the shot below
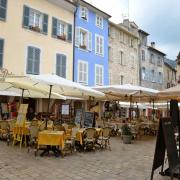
(126, 130)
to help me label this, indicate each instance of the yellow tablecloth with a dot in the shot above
(51, 138)
(79, 135)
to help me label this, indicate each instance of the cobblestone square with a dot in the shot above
(124, 162)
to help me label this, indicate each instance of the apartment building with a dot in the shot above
(36, 36)
(151, 63)
(91, 45)
(169, 73)
(123, 53)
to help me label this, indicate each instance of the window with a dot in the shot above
(1, 52)
(33, 60)
(61, 65)
(3, 9)
(99, 73)
(99, 21)
(83, 72)
(132, 63)
(159, 62)
(83, 39)
(35, 20)
(99, 45)
(152, 76)
(143, 55)
(84, 13)
(131, 42)
(160, 77)
(152, 59)
(61, 30)
(121, 80)
(121, 58)
(143, 73)
(121, 36)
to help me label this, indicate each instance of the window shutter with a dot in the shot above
(58, 64)
(45, 23)
(69, 35)
(3, 8)
(36, 60)
(26, 16)
(77, 36)
(63, 66)
(89, 41)
(54, 26)
(29, 68)
(1, 52)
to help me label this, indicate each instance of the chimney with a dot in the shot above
(126, 22)
(153, 44)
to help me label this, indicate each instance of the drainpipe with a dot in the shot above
(76, 4)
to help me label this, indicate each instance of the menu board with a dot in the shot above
(78, 117)
(88, 119)
(21, 118)
(65, 109)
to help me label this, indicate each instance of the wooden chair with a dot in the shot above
(89, 138)
(34, 130)
(104, 137)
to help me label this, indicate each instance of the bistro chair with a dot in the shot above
(59, 127)
(33, 130)
(89, 138)
(104, 137)
(70, 142)
(11, 126)
(3, 129)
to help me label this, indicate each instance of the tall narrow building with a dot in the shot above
(91, 45)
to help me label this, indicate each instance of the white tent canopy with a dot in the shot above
(125, 91)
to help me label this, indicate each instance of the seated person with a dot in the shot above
(31, 114)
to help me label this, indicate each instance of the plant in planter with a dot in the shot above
(83, 46)
(62, 37)
(126, 134)
(35, 28)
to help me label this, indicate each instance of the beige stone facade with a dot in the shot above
(123, 53)
(17, 37)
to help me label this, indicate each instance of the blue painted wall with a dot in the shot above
(90, 56)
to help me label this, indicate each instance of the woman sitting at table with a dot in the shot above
(31, 114)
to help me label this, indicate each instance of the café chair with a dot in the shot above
(89, 138)
(11, 126)
(104, 137)
(33, 138)
(70, 142)
(3, 129)
(59, 127)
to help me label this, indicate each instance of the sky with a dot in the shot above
(160, 18)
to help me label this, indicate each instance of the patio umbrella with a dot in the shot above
(57, 85)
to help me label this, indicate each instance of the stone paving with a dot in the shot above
(124, 162)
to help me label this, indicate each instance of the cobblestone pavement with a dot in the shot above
(124, 162)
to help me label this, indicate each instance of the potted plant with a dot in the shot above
(62, 37)
(126, 134)
(83, 46)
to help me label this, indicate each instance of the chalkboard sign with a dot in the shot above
(78, 117)
(89, 119)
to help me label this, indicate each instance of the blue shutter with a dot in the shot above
(54, 26)
(69, 37)
(3, 8)
(26, 16)
(45, 23)
(36, 60)
(29, 67)
(1, 52)
(61, 65)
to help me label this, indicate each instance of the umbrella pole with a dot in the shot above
(153, 109)
(49, 99)
(21, 100)
(130, 110)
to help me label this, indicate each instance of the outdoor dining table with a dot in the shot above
(79, 135)
(51, 138)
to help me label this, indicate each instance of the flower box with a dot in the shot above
(62, 37)
(35, 28)
(83, 46)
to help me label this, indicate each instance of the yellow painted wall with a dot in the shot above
(18, 38)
